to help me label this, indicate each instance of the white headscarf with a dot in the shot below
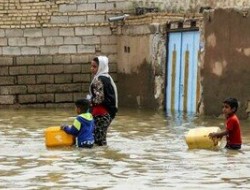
(103, 70)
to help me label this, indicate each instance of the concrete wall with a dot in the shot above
(142, 59)
(135, 71)
(226, 68)
(223, 62)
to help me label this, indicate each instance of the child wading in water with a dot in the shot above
(232, 130)
(83, 126)
(104, 99)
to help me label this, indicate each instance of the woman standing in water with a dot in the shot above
(104, 99)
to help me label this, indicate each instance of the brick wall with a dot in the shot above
(46, 48)
(44, 79)
(47, 13)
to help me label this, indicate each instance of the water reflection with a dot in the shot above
(146, 150)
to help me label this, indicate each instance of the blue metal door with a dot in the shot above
(182, 74)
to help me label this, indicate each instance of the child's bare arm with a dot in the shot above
(218, 135)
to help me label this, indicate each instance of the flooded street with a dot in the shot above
(146, 150)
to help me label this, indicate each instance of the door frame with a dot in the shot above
(173, 30)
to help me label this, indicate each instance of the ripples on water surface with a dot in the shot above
(146, 150)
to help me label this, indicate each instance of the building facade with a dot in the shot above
(46, 48)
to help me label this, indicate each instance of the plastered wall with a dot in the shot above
(226, 68)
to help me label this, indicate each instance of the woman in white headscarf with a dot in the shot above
(104, 98)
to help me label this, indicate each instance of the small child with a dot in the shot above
(83, 126)
(232, 131)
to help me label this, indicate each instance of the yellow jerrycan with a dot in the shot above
(198, 138)
(54, 136)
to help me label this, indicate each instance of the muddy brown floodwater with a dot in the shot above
(146, 150)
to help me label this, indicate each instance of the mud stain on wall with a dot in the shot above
(226, 60)
(136, 89)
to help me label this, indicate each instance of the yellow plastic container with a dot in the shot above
(54, 136)
(198, 138)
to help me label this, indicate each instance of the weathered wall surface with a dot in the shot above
(192, 5)
(142, 60)
(135, 71)
(226, 67)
